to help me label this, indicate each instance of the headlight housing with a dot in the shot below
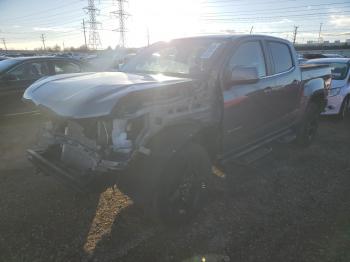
(334, 91)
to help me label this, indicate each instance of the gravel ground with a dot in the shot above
(293, 205)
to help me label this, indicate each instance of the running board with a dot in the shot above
(256, 150)
(254, 156)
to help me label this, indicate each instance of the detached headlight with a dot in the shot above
(334, 91)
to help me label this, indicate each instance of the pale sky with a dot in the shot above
(23, 21)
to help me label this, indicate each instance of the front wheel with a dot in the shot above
(308, 127)
(183, 185)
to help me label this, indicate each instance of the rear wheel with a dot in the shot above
(308, 127)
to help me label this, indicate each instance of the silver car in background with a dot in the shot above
(339, 94)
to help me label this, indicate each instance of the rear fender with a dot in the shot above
(315, 92)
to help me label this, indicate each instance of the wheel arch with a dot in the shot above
(171, 138)
(319, 98)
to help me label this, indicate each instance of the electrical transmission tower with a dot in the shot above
(94, 36)
(121, 16)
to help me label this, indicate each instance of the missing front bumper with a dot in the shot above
(77, 181)
(47, 167)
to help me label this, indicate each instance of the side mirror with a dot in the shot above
(243, 75)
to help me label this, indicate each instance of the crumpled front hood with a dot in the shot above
(90, 94)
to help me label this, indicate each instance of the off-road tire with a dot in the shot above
(158, 177)
(344, 112)
(307, 130)
(183, 185)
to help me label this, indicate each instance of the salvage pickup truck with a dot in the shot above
(172, 111)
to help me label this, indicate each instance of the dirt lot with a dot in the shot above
(294, 205)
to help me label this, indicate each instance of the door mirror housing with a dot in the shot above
(243, 75)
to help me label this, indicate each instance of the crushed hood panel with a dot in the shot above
(90, 94)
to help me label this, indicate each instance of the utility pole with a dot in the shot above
(43, 40)
(251, 29)
(121, 15)
(319, 33)
(148, 36)
(84, 28)
(94, 36)
(4, 42)
(63, 46)
(295, 34)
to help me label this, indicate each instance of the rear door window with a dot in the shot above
(281, 57)
(64, 67)
(249, 54)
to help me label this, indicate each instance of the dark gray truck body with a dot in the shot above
(102, 122)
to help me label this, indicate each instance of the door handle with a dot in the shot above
(268, 90)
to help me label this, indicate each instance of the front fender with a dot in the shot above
(170, 139)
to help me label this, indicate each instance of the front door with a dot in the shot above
(244, 105)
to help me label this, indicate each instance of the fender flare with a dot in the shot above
(173, 137)
(314, 91)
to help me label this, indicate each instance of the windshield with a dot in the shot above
(339, 70)
(179, 57)
(6, 64)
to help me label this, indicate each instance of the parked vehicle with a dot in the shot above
(3, 58)
(177, 107)
(16, 74)
(339, 94)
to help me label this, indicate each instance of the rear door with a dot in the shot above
(285, 94)
(244, 113)
(19, 78)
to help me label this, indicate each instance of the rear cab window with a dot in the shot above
(65, 67)
(281, 56)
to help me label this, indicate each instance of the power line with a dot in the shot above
(122, 16)
(237, 3)
(42, 11)
(299, 6)
(94, 36)
(269, 11)
(238, 17)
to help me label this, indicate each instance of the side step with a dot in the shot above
(253, 156)
(287, 138)
(257, 150)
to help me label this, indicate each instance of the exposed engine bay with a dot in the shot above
(93, 145)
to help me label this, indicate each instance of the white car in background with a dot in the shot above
(339, 94)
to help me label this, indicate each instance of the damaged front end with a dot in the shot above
(76, 151)
(99, 123)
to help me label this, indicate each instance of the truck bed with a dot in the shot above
(310, 71)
